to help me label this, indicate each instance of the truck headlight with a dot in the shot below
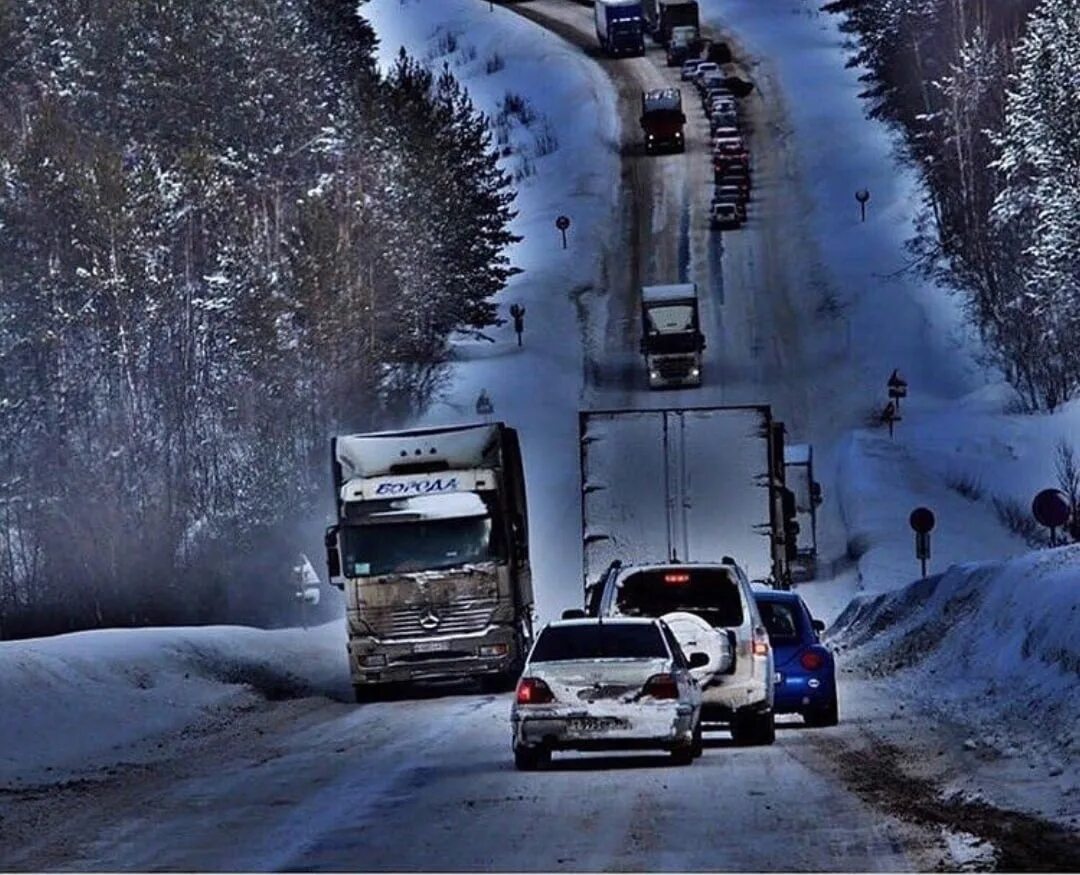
(695, 372)
(654, 375)
(374, 659)
(494, 650)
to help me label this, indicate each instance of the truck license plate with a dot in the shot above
(593, 724)
(429, 647)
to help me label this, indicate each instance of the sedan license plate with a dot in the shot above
(429, 647)
(594, 724)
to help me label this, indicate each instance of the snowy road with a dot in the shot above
(316, 783)
(430, 785)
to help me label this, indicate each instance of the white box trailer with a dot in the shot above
(692, 484)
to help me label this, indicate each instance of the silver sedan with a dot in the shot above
(614, 684)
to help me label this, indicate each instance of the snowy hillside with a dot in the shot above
(93, 698)
(994, 646)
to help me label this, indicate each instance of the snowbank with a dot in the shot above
(564, 149)
(88, 698)
(993, 645)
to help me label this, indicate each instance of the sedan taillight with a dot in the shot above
(533, 691)
(662, 686)
(812, 660)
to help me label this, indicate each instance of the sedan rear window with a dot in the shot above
(710, 593)
(611, 640)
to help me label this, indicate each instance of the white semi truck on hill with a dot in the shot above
(671, 338)
(431, 550)
(690, 485)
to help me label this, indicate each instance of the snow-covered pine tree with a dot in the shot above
(1040, 200)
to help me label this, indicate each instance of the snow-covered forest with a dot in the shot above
(225, 236)
(986, 95)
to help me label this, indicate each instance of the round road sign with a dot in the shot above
(862, 195)
(1051, 508)
(922, 520)
(562, 223)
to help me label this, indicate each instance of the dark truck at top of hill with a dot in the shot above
(662, 120)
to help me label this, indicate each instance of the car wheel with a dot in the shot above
(529, 759)
(364, 693)
(827, 716)
(683, 755)
(698, 744)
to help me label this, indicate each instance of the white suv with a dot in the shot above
(742, 695)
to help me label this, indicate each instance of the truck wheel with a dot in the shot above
(499, 683)
(529, 759)
(366, 693)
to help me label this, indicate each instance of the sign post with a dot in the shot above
(922, 523)
(563, 223)
(1051, 509)
(862, 196)
(897, 386)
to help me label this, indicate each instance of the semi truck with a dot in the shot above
(431, 550)
(689, 485)
(662, 120)
(806, 496)
(650, 12)
(620, 26)
(676, 13)
(671, 338)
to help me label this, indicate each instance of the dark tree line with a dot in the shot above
(986, 94)
(225, 237)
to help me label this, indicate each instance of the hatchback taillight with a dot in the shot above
(662, 686)
(812, 660)
(760, 644)
(533, 691)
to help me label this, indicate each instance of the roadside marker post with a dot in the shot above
(563, 223)
(1051, 509)
(863, 196)
(922, 523)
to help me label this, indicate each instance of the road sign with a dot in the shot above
(862, 196)
(922, 520)
(1051, 508)
(562, 223)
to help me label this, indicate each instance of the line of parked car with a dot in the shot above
(660, 650)
(720, 92)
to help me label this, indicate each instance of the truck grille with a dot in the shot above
(416, 621)
(674, 368)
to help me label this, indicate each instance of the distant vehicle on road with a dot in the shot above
(805, 680)
(688, 68)
(620, 26)
(662, 120)
(607, 685)
(683, 44)
(726, 215)
(742, 693)
(671, 338)
(676, 13)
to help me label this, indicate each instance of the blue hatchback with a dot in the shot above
(805, 669)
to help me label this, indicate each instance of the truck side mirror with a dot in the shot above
(333, 556)
(643, 346)
(700, 341)
(819, 625)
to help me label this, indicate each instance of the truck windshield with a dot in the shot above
(665, 344)
(406, 540)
